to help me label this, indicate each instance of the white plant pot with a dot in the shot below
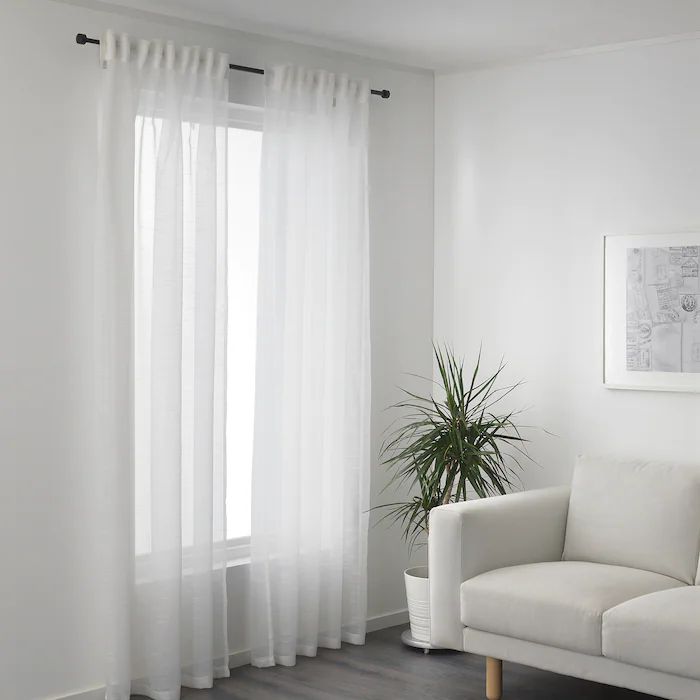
(418, 598)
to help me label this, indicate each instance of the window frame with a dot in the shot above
(249, 117)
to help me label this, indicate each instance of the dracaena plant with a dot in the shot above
(450, 443)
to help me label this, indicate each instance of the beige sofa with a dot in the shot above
(600, 581)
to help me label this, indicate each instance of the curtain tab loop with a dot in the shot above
(142, 53)
(343, 86)
(277, 76)
(208, 66)
(363, 90)
(184, 61)
(156, 54)
(195, 59)
(222, 66)
(114, 48)
(170, 56)
(124, 48)
(108, 47)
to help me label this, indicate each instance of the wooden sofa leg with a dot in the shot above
(494, 678)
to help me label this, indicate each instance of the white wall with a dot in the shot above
(50, 628)
(534, 164)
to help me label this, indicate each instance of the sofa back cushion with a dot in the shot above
(641, 514)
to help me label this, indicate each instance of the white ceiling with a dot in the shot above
(444, 34)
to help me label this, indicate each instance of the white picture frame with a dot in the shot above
(617, 356)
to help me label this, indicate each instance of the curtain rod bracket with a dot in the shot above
(83, 39)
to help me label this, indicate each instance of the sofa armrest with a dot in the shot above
(466, 539)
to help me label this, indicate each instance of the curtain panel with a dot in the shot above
(311, 446)
(160, 300)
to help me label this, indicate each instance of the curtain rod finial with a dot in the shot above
(81, 39)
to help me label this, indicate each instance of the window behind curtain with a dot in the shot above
(244, 147)
(243, 165)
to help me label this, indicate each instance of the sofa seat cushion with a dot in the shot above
(660, 631)
(560, 603)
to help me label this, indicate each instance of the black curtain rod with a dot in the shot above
(84, 39)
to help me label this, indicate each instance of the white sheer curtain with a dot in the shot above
(311, 453)
(160, 292)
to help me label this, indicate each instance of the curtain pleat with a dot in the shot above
(160, 300)
(311, 445)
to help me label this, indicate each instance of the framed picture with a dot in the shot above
(652, 312)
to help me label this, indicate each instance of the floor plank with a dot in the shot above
(384, 668)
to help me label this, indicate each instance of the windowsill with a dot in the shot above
(241, 561)
(238, 552)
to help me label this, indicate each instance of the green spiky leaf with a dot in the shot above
(451, 442)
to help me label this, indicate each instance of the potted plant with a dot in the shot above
(448, 446)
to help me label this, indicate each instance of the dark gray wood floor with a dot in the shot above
(385, 669)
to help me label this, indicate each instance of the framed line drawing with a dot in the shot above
(652, 312)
